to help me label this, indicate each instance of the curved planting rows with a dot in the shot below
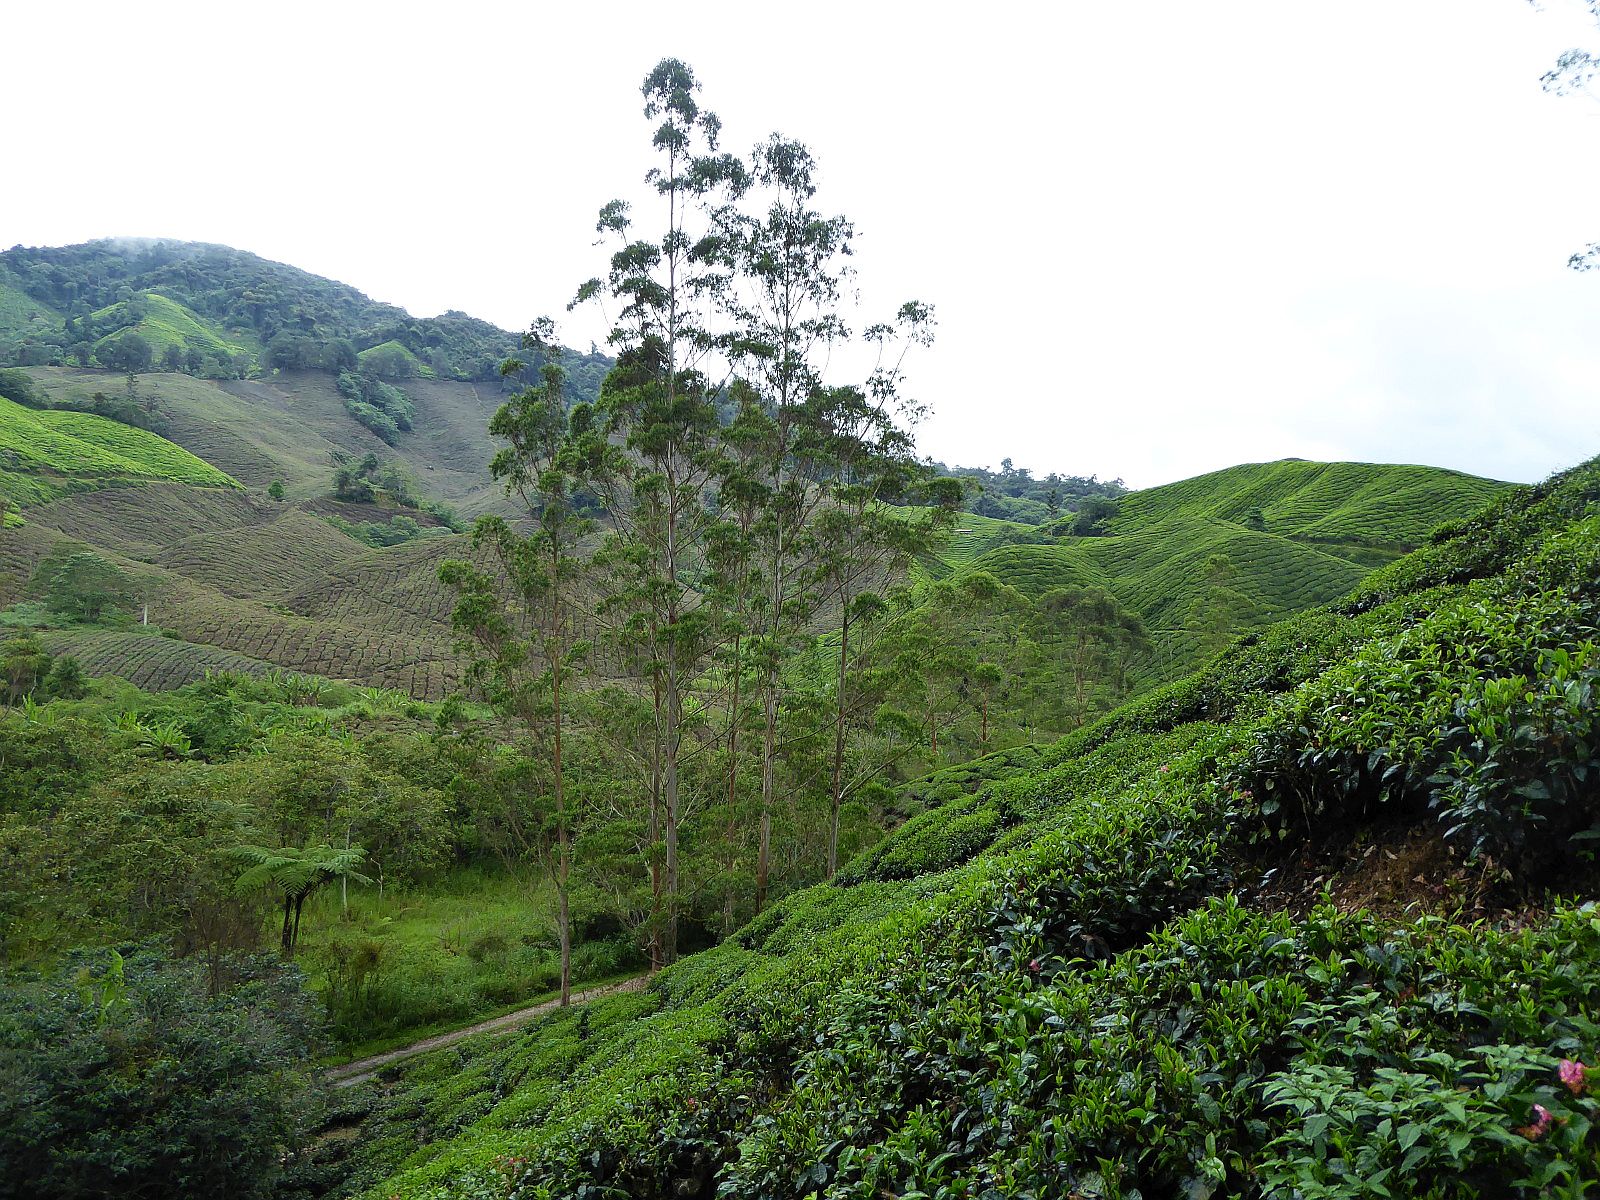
(269, 560)
(420, 666)
(144, 519)
(1384, 503)
(1035, 570)
(81, 443)
(22, 549)
(155, 663)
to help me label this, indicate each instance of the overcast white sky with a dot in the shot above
(1162, 237)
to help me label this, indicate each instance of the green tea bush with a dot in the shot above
(1483, 711)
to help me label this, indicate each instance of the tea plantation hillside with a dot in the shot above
(291, 426)
(21, 316)
(1360, 504)
(1203, 558)
(281, 584)
(165, 324)
(1136, 963)
(48, 454)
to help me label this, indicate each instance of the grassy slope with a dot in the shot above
(49, 454)
(21, 314)
(288, 426)
(1326, 525)
(1053, 987)
(168, 323)
(389, 351)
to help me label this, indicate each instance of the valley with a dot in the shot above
(441, 763)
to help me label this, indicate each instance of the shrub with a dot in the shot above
(129, 1079)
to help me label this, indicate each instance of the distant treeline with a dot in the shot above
(1013, 494)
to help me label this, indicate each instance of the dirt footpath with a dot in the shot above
(351, 1073)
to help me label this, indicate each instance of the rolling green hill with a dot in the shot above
(241, 313)
(1367, 504)
(280, 585)
(1294, 534)
(25, 321)
(164, 323)
(292, 424)
(1279, 929)
(48, 454)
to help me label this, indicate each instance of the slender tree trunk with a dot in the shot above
(674, 713)
(769, 731)
(732, 832)
(563, 833)
(838, 744)
(288, 908)
(653, 831)
(294, 938)
(669, 947)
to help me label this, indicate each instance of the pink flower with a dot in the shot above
(1540, 1126)
(1033, 965)
(1572, 1074)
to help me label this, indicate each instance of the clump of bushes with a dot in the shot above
(132, 1076)
(381, 407)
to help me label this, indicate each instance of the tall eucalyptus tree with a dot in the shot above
(655, 453)
(520, 616)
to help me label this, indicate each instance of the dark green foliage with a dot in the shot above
(1094, 515)
(83, 586)
(370, 479)
(1013, 494)
(299, 320)
(1484, 711)
(385, 410)
(130, 1079)
(1224, 1032)
(16, 385)
(128, 351)
(397, 530)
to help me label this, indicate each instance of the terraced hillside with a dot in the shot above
(142, 522)
(22, 317)
(1391, 506)
(148, 660)
(1294, 534)
(48, 454)
(1284, 928)
(280, 584)
(289, 426)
